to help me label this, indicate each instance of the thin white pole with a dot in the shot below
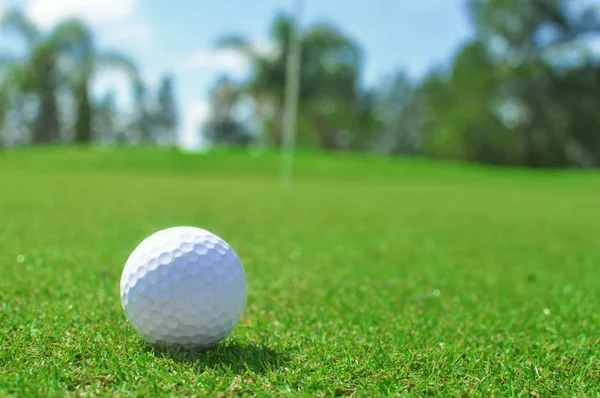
(292, 86)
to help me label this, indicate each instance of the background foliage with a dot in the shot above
(522, 91)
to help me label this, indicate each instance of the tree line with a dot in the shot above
(523, 90)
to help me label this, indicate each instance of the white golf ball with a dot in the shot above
(183, 286)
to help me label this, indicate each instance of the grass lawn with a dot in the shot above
(367, 277)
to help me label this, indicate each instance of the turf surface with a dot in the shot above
(366, 277)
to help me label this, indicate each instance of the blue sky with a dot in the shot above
(178, 37)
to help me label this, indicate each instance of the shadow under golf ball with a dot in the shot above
(236, 356)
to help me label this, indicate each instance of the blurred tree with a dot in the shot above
(166, 118)
(223, 127)
(46, 128)
(461, 110)
(512, 95)
(156, 116)
(531, 43)
(330, 99)
(397, 107)
(439, 138)
(64, 56)
(143, 121)
(75, 42)
(340, 110)
(37, 74)
(15, 105)
(267, 80)
(578, 93)
(105, 123)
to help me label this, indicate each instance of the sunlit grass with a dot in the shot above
(369, 276)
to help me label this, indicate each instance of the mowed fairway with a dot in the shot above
(367, 277)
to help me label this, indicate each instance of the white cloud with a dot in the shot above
(120, 19)
(265, 46)
(48, 12)
(226, 59)
(133, 31)
(194, 114)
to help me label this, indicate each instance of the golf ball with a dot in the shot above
(183, 286)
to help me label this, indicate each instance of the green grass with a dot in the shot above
(371, 277)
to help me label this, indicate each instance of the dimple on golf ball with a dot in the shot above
(183, 286)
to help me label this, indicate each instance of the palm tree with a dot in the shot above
(5, 87)
(6, 81)
(267, 83)
(37, 74)
(330, 100)
(65, 57)
(74, 39)
(16, 86)
(222, 126)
